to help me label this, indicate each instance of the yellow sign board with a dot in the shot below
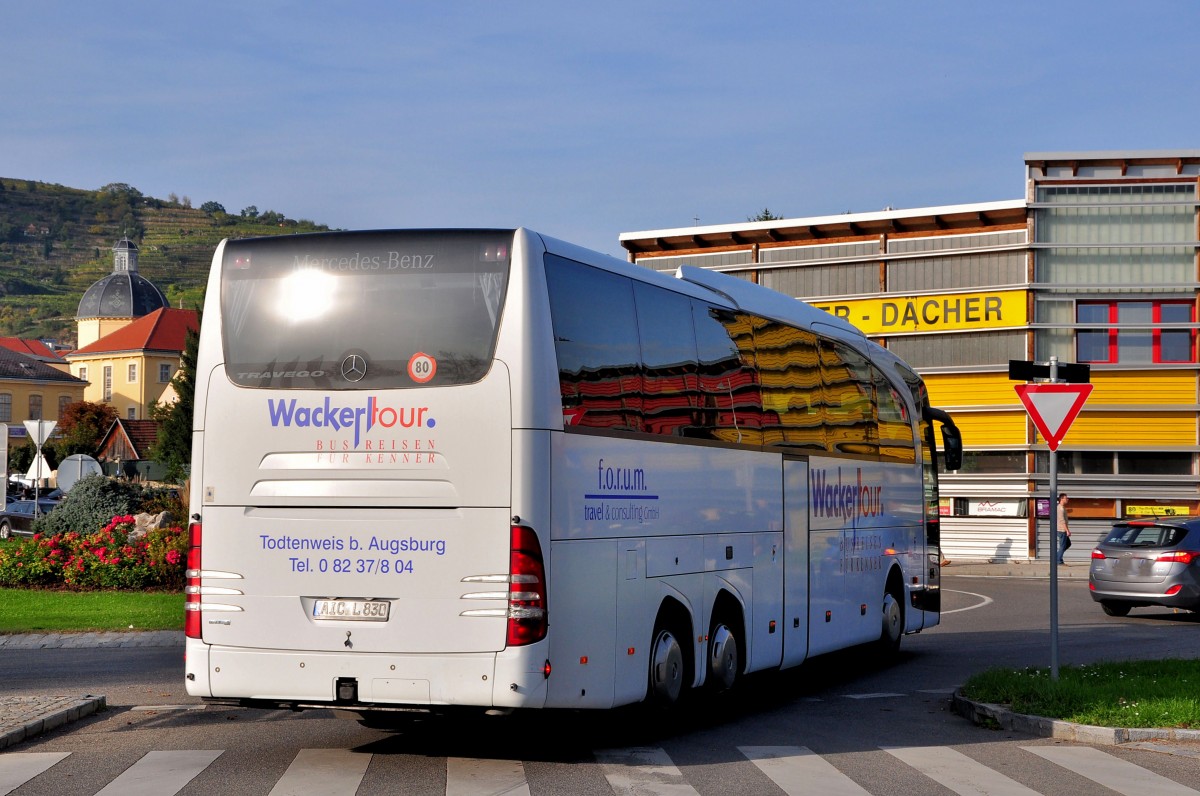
(1157, 511)
(948, 312)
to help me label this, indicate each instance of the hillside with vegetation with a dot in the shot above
(55, 242)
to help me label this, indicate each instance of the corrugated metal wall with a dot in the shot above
(1160, 429)
(811, 281)
(959, 350)
(985, 539)
(715, 260)
(969, 271)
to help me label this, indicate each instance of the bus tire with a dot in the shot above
(668, 676)
(724, 655)
(893, 617)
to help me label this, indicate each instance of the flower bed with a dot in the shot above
(115, 557)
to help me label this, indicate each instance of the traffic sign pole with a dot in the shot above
(1052, 408)
(1054, 552)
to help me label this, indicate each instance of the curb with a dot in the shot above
(984, 713)
(46, 712)
(92, 640)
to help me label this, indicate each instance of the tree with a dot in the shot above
(250, 212)
(121, 189)
(83, 425)
(173, 447)
(212, 207)
(765, 215)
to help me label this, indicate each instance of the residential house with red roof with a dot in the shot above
(36, 349)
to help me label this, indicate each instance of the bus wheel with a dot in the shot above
(893, 618)
(666, 666)
(724, 657)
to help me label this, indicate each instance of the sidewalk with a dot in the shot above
(23, 717)
(1072, 570)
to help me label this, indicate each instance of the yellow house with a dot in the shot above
(132, 367)
(32, 390)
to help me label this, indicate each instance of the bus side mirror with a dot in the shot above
(953, 455)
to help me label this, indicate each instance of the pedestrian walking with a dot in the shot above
(1064, 530)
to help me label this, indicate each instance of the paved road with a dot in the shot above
(779, 737)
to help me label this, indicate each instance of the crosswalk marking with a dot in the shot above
(317, 771)
(468, 776)
(958, 772)
(642, 771)
(630, 771)
(17, 769)
(1111, 772)
(797, 770)
(160, 773)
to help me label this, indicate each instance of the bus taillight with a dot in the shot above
(191, 607)
(527, 588)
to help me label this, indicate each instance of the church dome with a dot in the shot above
(124, 293)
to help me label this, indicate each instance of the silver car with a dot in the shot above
(1148, 562)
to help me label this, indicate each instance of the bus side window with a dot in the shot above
(896, 441)
(669, 377)
(849, 400)
(596, 343)
(730, 401)
(793, 405)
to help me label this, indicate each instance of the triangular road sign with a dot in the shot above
(1053, 407)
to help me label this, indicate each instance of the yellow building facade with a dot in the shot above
(1097, 264)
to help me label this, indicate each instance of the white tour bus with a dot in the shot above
(487, 468)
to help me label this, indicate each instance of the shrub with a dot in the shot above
(91, 503)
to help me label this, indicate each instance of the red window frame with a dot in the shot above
(1113, 334)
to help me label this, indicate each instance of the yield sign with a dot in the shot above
(1053, 407)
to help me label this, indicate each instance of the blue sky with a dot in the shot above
(583, 121)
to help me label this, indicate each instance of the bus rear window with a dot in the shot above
(363, 310)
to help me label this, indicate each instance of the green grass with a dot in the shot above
(1163, 693)
(41, 611)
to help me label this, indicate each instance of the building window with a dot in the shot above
(63, 402)
(5, 407)
(83, 373)
(107, 383)
(35, 407)
(132, 413)
(1118, 463)
(131, 376)
(1131, 332)
(164, 373)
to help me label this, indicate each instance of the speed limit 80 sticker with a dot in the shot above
(421, 367)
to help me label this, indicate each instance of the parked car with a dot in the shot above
(18, 516)
(1148, 562)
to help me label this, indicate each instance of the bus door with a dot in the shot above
(795, 571)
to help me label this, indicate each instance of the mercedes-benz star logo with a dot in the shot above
(354, 368)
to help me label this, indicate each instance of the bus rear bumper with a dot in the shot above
(298, 679)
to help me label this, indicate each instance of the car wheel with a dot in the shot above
(5, 531)
(1114, 608)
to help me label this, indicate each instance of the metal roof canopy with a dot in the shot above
(807, 230)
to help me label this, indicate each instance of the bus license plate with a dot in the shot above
(358, 610)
